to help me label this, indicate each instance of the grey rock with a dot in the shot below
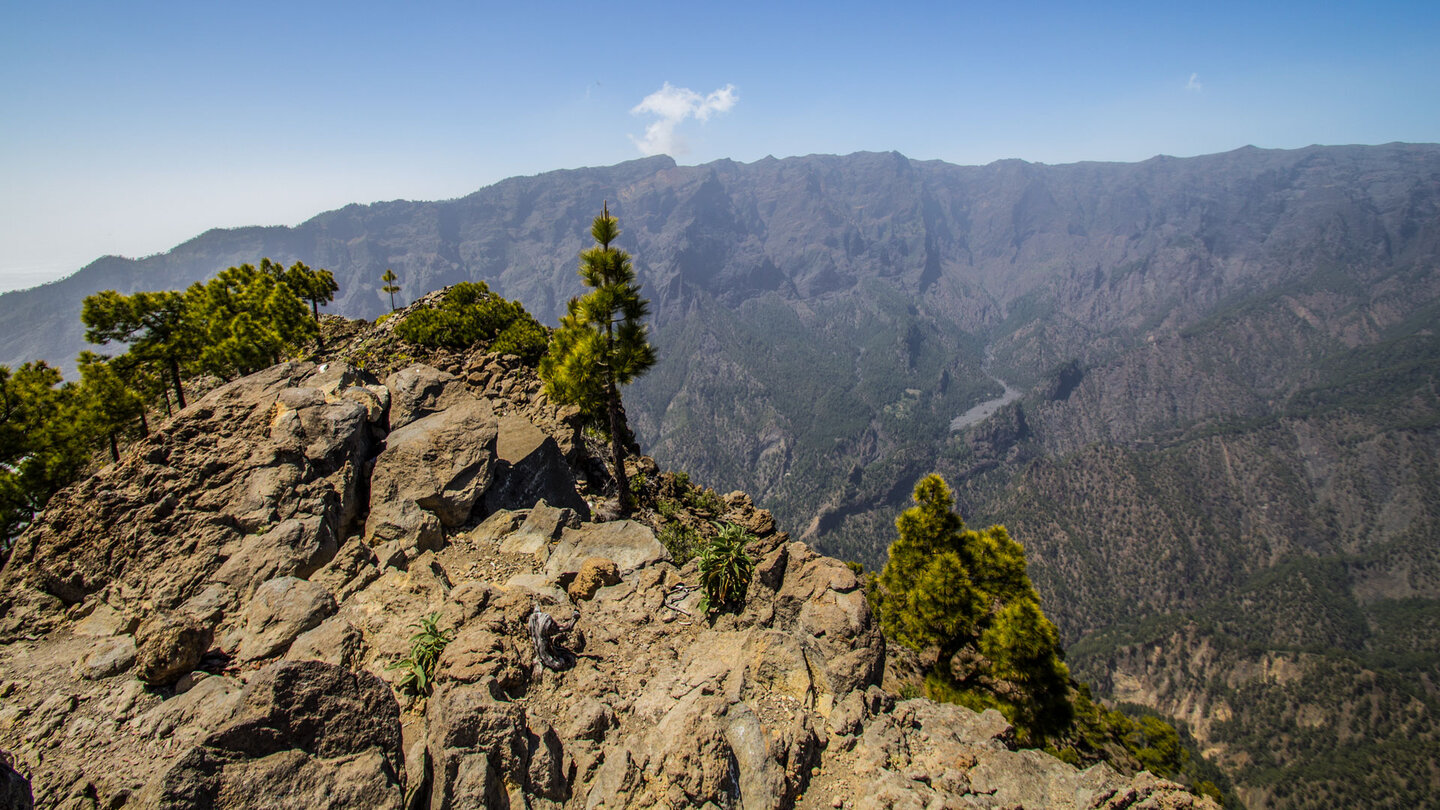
(542, 526)
(281, 610)
(405, 525)
(476, 746)
(111, 656)
(442, 462)
(168, 646)
(190, 715)
(334, 641)
(292, 548)
(760, 777)
(629, 544)
(211, 604)
(105, 620)
(531, 468)
(418, 391)
(303, 735)
(495, 527)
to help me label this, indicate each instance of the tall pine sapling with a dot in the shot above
(390, 286)
(602, 342)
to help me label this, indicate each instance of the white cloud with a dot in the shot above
(1194, 84)
(672, 105)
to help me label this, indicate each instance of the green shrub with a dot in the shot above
(418, 669)
(524, 337)
(706, 501)
(638, 484)
(725, 568)
(680, 540)
(470, 314)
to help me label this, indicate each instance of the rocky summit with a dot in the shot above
(225, 618)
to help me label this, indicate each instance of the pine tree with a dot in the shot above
(106, 403)
(156, 325)
(602, 342)
(964, 596)
(390, 286)
(315, 286)
(247, 319)
(43, 445)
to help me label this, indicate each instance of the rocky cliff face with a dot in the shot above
(211, 622)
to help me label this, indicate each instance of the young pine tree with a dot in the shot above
(390, 286)
(602, 342)
(964, 596)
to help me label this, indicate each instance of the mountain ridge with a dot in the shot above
(1248, 338)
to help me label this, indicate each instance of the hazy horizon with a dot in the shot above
(134, 130)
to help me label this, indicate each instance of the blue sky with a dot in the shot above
(128, 128)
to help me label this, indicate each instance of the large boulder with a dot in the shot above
(530, 468)
(169, 645)
(418, 391)
(280, 611)
(206, 488)
(303, 735)
(442, 462)
(293, 548)
(483, 749)
(630, 545)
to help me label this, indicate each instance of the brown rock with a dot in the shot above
(281, 610)
(595, 573)
(442, 462)
(304, 735)
(168, 646)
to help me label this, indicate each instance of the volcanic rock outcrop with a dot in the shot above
(213, 622)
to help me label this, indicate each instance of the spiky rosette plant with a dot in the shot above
(725, 568)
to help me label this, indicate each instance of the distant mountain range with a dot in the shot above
(1222, 450)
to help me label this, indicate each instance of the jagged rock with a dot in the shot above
(333, 641)
(192, 714)
(530, 468)
(418, 391)
(293, 548)
(281, 610)
(543, 525)
(385, 610)
(211, 604)
(595, 573)
(478, 654)
(304, 734)
(111, 656)
(628, 544)
(494, 528)
(759, 778)
(441, 462)
(353, 567)
(479, 747)
(251, 454)
(825, 597)
(401, 531)
(168, 646)
(540, 586)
